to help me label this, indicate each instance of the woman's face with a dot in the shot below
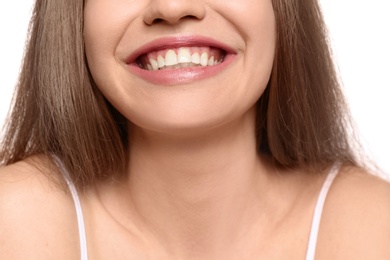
(172, 65)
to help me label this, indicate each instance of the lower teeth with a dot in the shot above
(179, 66)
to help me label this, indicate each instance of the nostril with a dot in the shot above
(190, 17)
(173, 11)
(158, 20)
(161, 20)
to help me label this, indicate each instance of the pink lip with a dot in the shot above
(184, 75)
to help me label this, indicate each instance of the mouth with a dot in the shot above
(180, 60)
(182, 57)
(180, 52)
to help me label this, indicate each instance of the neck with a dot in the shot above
(197, 194)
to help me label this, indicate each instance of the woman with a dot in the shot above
(191, 130)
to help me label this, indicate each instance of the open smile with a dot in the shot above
(183, 57)
(177, 60)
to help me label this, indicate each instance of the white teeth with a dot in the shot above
(170, 58)
(204, 58)
(184, 55)
(195, 58)
(160, 61)
(211, 61)
(154, 64)
(183, 59)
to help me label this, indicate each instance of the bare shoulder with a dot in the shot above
(356, 219)
(37, 219)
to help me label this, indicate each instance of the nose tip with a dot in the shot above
(173, 11)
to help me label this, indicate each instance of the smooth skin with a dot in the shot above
(195, 187)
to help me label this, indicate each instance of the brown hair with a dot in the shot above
(57, 109)
(303, 118)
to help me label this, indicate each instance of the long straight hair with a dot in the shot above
(57, 109)
(303, 119)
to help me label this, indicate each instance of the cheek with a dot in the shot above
(247, 15)
(105, 24)
(262, 43)
(99, 39)
(258, 31)
(259, 53)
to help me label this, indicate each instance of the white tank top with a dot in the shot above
(311, 248)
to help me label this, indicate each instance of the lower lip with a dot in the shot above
(170, 77)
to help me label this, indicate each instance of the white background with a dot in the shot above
(360, 33)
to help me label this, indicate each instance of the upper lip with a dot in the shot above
(176, 42)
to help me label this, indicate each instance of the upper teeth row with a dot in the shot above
(183, 56)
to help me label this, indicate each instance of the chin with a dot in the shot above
(191, 125)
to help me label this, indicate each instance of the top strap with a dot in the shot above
(318, 211)
(79, 211)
